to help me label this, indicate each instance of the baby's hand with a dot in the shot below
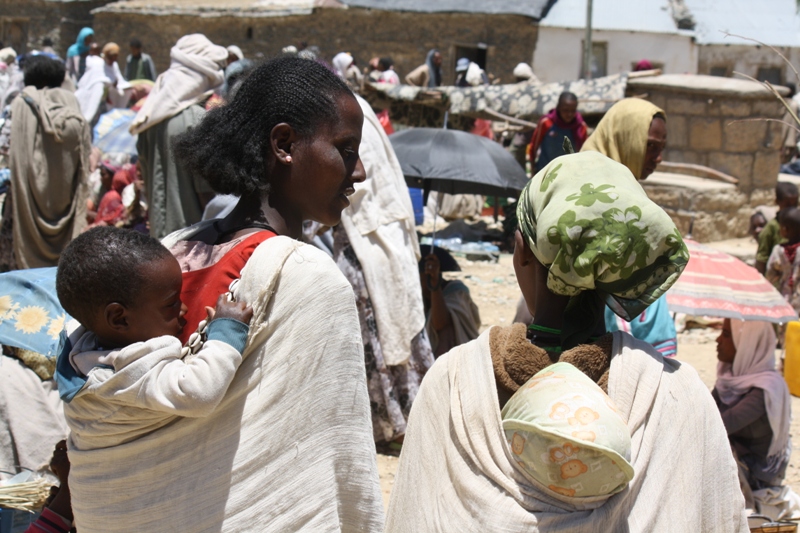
(236, 310)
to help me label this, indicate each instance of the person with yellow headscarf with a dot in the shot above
(634, 133)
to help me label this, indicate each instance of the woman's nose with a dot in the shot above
(359, 174)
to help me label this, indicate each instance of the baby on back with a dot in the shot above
(122, 374)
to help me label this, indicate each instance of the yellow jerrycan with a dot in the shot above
(791, 362)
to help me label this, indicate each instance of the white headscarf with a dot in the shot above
(754, 366)
(523, 70)
(193, 74)
(342, 62)
(235, 50)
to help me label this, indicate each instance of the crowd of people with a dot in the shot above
(252, 314)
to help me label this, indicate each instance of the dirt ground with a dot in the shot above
(494, 289)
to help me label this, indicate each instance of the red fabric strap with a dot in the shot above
(201, 288)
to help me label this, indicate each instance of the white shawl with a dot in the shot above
(380, 227)
(456, 472)
(196, 69)
(98, 76)
(754, 366)
(289, 448)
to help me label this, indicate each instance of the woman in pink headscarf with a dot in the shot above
(754, 402)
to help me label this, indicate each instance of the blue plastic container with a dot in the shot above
(419, 206)
(15, 521)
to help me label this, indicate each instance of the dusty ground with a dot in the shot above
(494, 289)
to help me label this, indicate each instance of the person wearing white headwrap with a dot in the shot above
(102, 86)
(196, 69)
(524, 72)
(754, 400)
(346, 69)
(234, 54)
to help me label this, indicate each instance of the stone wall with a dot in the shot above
(710, 121)
(406, 37)
(24, 23)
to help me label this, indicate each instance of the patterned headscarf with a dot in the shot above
(603, 240)
(622, 133)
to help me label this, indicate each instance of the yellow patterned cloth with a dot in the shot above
(566, 435)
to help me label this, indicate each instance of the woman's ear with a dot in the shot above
(281, 139)
(116, 317)
(525, 252)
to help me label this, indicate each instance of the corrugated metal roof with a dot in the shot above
(528, 8)
(773, 22)
(652, 16)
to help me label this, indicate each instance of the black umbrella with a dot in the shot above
(457, 162)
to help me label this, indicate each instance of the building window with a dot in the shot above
(722, 72)
(599, 62)
(774, 75)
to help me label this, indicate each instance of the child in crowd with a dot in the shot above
(785, 197)
(563, 121)
(783, 266)
(123, 373)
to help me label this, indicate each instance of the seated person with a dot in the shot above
(123, 373)
(783, 266)
(785, 197)
(754, 402)
(452, 318)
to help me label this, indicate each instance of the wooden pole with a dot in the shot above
(587, 43)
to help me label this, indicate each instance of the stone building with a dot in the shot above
(497, 34)
(24, 23)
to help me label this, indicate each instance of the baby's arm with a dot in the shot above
(195, 387)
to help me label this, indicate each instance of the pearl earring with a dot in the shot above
(288, 159)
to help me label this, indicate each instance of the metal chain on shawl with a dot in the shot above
(604, 242)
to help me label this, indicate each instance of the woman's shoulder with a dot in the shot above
(301, 263)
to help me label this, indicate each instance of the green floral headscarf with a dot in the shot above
(588, 220)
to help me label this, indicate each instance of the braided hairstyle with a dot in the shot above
(230, 146)
(102, 266)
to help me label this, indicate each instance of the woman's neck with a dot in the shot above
(253, 212)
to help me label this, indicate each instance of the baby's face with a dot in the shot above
(158, 310)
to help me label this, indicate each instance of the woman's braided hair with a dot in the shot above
(230, 146)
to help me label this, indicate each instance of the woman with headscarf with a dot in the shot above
(634, 132)
(428, 74)
(102, 86)
(77, 54)
(344, 64)
(174, 105)
(588, 237)
(754, 402)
